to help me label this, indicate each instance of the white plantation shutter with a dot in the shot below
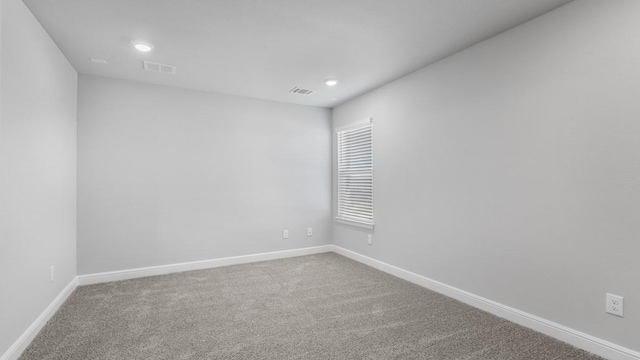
(355, 173)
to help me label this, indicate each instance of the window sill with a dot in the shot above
(354, 223)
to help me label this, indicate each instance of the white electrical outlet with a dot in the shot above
(309, 232)
(51, 273)
(285, 234)
(615, 304)
(370, 239)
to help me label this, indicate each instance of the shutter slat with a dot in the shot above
(355, 154)
(349, 196)
(354, 183)
(361, 209)
(352, 139)
(363, 160)
(363, 146)
(357, 162)
(357, 216)
(356, 158)
(351, 132)
(347, 143)
(356, 151)
(359, 173)
(361, 167)
(358, 199)
(351, 211)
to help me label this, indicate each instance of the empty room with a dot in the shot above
(335, 179)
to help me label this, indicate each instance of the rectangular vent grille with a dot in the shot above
(300, 91)
(157, 67)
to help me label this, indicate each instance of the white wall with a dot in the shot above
(37, 171)
(169, 175)
(512, 169)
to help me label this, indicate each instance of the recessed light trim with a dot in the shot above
(331, 82)
(142, 46)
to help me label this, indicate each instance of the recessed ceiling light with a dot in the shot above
(142, 46)
(331, 82)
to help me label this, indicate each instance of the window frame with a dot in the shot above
(339, 217)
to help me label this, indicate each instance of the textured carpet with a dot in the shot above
(313, 307)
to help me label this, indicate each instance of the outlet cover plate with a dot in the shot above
(615, 305)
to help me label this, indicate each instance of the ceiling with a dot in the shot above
(263, 48)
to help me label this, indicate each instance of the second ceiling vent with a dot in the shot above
(300, 91)
(161, 68)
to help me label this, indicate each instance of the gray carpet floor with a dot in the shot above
(312, 307)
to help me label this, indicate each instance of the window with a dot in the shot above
(355, 174)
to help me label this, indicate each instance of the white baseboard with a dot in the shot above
(576, 338)
(196, 265)
(25, 339)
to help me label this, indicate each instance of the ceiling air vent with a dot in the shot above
(300, 91)
(157, 67)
